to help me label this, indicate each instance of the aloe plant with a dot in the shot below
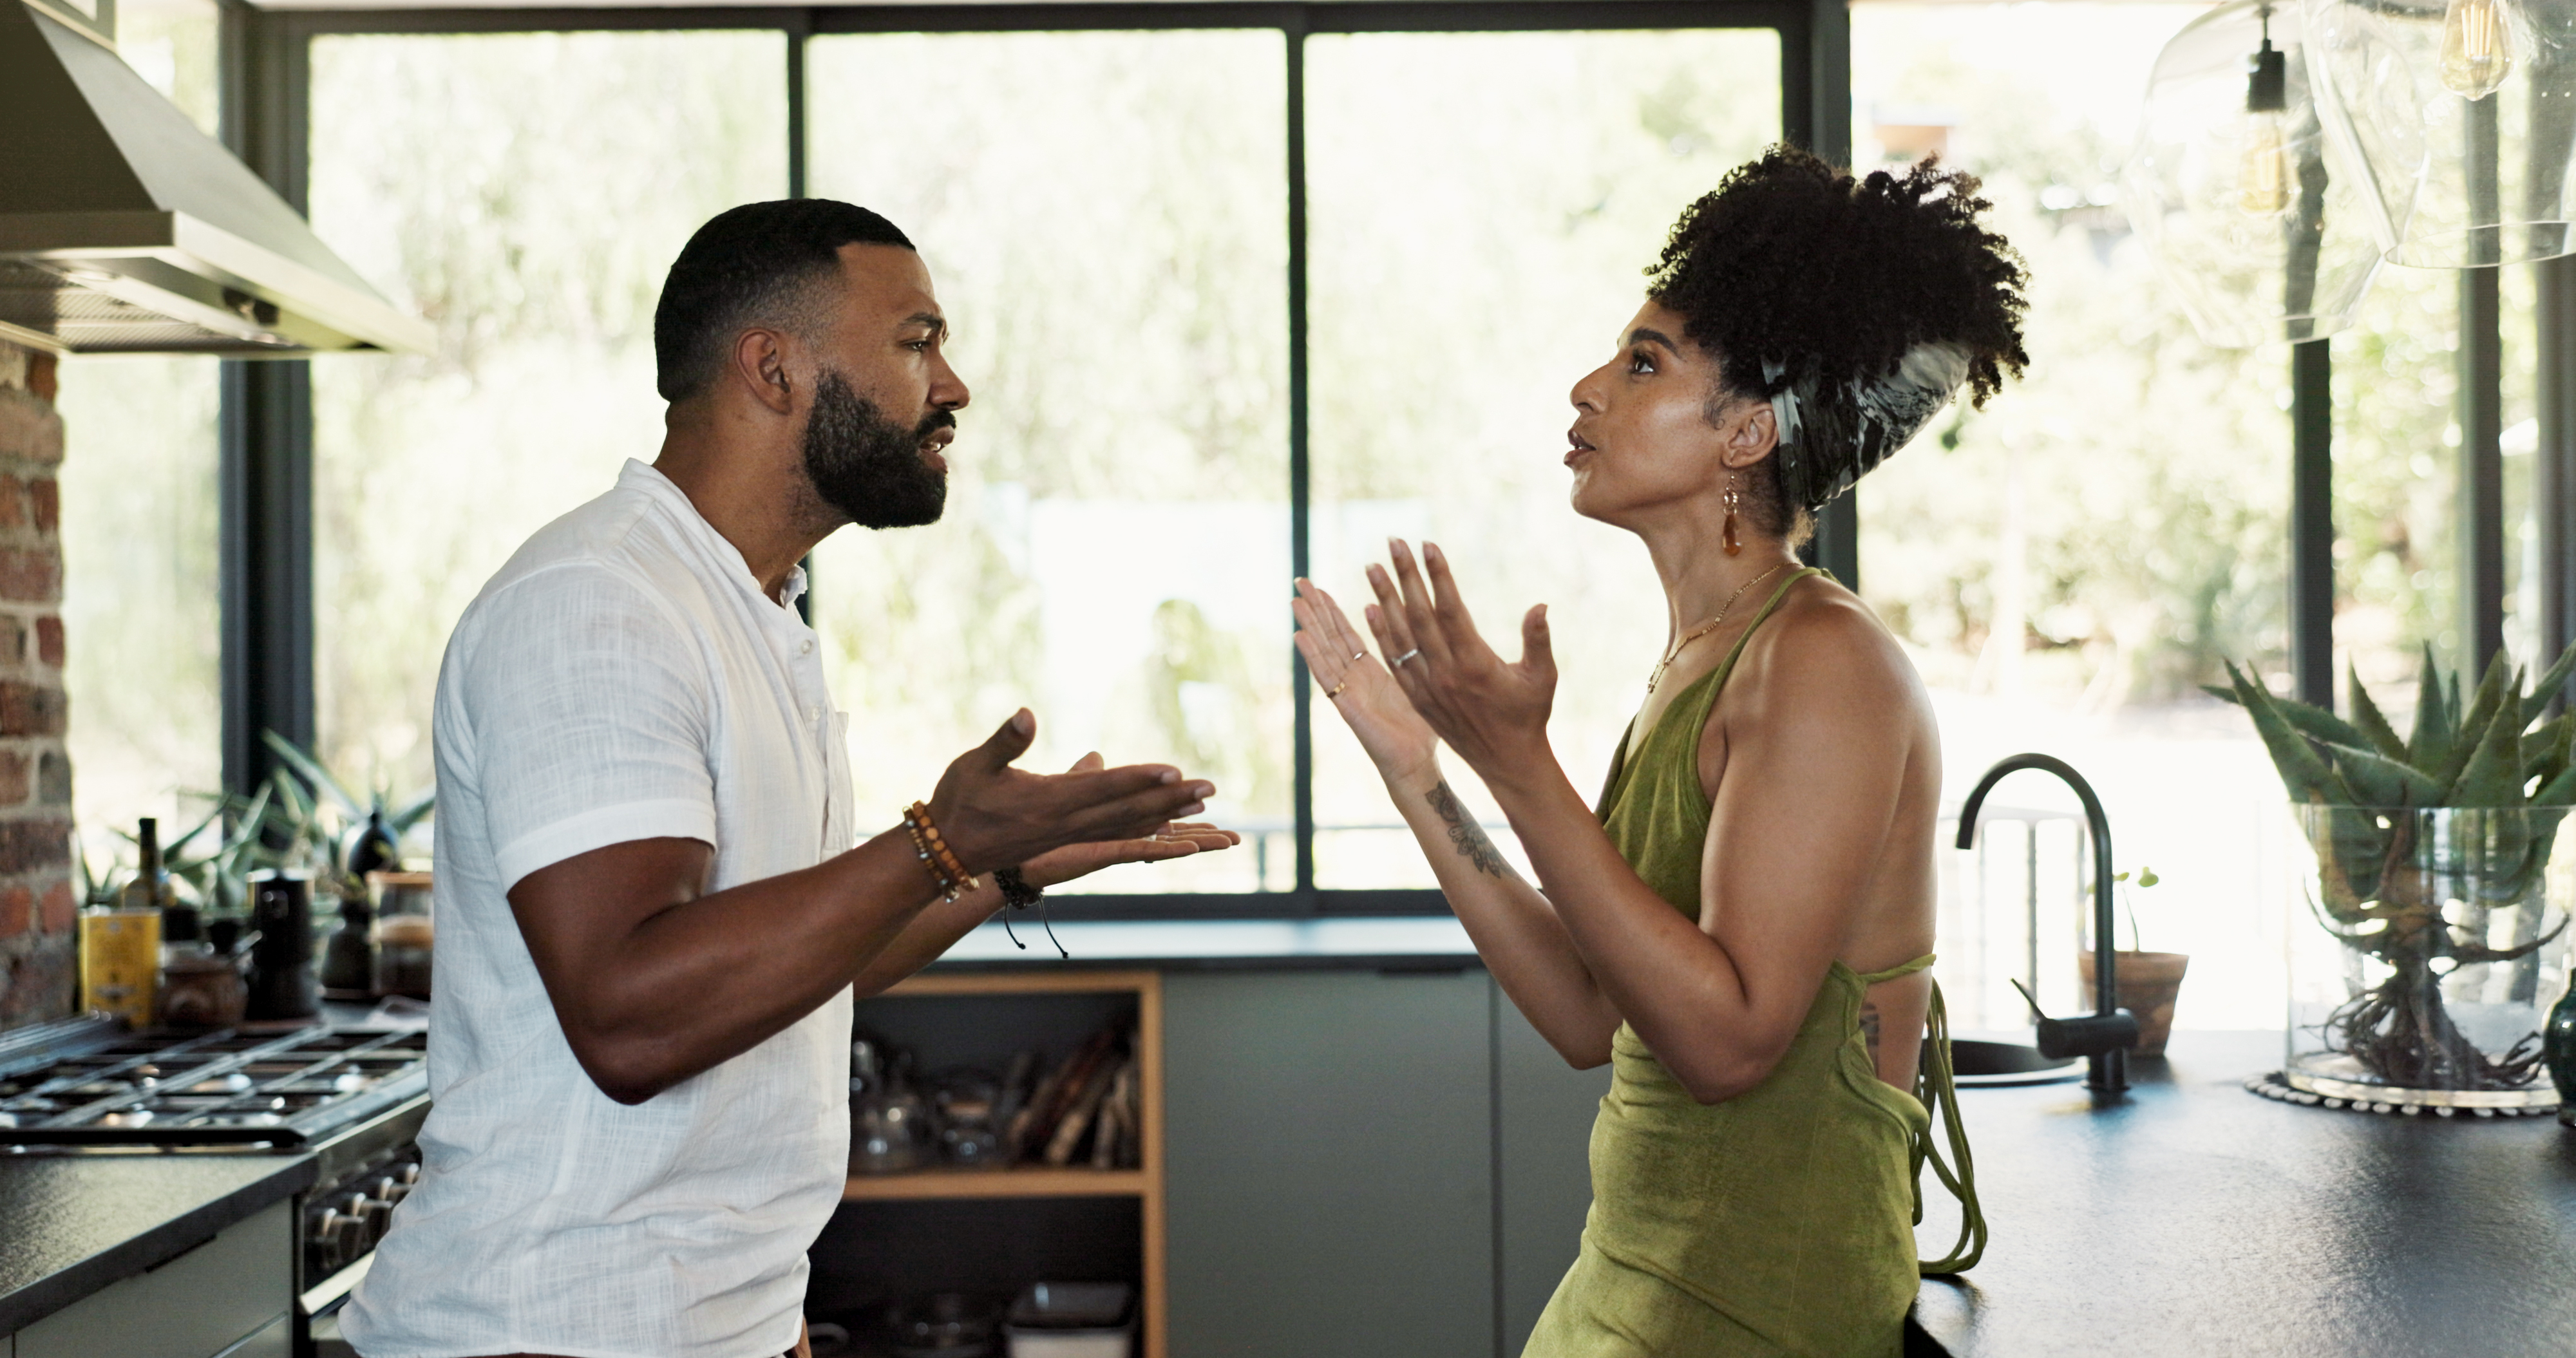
(302, 818)
(98, 890)
(2383, 885)
(337, 836)
(216, 856)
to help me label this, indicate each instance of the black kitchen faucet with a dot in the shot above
(2103, 1037)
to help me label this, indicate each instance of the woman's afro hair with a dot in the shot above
(1835, 278)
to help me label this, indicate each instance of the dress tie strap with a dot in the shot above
(1871, 978)
(1934, 1088)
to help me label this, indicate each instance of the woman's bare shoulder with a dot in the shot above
(1825, 645)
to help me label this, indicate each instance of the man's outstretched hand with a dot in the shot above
(1061, 826)
(617, 931)
(1178, 839)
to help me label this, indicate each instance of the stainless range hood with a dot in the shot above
(125, 230)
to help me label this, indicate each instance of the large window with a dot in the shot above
(476, 181)
(1105, 220)
(140, 635)
(2068, 566)
(1336, 265)
(1484, 206)
(1188, 329)
(138, 516)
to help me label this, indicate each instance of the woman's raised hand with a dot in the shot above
(1493, 712)
(1396, 738)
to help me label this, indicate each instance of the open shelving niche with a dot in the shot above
(985, 1006)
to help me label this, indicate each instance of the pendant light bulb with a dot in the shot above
(2263, 170)
(2263, 176)
(2477, 47)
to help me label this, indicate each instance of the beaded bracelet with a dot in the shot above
(949, 875)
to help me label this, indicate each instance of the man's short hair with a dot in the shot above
(751, 265)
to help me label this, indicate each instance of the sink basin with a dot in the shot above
(1979, 1065)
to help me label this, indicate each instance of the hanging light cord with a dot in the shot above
(2267, 76)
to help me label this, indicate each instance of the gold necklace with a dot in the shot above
(1707, 627)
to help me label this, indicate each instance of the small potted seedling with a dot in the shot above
(2149, 981)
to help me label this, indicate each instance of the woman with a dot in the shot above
(1752, 904)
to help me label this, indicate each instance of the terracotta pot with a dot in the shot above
(2148, 983)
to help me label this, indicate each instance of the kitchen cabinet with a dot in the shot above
(226, 1298)
(1329, 1164)
(1542, 1173)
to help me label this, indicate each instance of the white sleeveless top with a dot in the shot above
(622, 678)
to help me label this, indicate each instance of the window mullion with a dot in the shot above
(1300, 494)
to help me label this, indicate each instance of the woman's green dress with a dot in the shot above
(1779, 1221)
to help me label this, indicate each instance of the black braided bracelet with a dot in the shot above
(1017, 894)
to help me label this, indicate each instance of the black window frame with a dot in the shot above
(266, 429)
(266, 480)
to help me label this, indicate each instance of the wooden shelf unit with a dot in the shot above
(1044, 1181)
(1019, 1181)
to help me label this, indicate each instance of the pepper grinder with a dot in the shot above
(281, 961)
(2558, 1051)
(349, 955)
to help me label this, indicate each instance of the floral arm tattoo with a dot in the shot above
(1869, 1029)
(1466, 836)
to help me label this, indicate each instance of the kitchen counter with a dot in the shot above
(1384, 943)
(2195, 1218)
(70, 1225)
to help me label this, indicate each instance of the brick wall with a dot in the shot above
(36, 905)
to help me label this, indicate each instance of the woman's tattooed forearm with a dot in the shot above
(1869, 1028)
(1466, 836)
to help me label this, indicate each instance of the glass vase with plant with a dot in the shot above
(2437, 878)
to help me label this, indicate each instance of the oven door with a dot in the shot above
(362, 1173)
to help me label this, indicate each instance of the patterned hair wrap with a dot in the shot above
(1830, 440)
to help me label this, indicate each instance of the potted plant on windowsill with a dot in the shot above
(2149, 982)
(2431, 864)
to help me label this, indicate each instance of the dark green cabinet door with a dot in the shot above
(1329, 1165)
(1543, 1120)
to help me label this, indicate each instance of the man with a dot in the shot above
(651, 918)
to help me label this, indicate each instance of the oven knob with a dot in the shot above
(381, 1204)
(317, 1246)
(338, 1241)
(372, 1214)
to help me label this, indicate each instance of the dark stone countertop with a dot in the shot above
(2195, 1218)
(70, 1225)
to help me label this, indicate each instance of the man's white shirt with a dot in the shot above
(622, 678)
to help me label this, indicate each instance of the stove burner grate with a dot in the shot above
(221, 1088)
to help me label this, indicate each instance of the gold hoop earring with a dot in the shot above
(1726, 534)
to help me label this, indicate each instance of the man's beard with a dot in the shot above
(869, 467)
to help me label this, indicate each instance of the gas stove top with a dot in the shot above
(224, 1089)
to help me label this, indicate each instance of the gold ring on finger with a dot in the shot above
(1336, 690)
